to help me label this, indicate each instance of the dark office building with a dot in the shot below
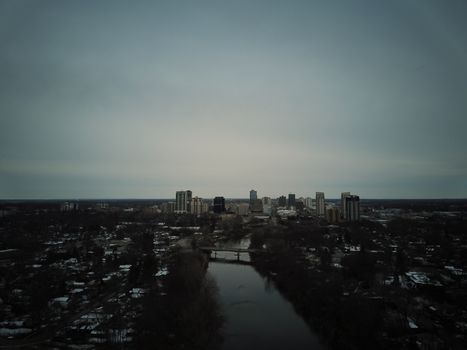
(218, 205)
(253, 196)
(291, 201)
(282, 201)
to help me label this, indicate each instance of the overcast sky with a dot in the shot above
(112, 99)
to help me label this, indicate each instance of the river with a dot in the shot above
(257, 316)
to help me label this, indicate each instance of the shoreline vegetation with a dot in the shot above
(340, 322)
(184, 312)
(348, 300)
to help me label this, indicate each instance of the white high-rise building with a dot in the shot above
(182, 201)
(308, 202)
(320, 204)
(198, 206)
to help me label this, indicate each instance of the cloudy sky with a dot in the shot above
(112, 99)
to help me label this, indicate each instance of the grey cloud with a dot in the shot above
(111, 99)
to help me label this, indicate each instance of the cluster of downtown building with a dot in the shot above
(290, 206)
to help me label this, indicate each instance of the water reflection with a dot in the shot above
(258, 317)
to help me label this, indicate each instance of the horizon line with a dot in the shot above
(230, 198)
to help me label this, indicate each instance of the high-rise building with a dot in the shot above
(282, 201)
(332, 215)
(308, 202)
(343, 209)
(218, 205)
(183, 201)
(198, 206)
(291, 200)
(253, 195)
(267, 205)
(352, 207)
(320, 204)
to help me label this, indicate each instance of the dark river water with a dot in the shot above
(257, 316)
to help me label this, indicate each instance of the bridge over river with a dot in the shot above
(237, 251)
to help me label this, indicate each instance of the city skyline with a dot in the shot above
(119, 100)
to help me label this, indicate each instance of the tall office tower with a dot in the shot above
(218, 205)
(282, 201)
(308, 202)
(253, 196)
(291, 201)
(343, 210)
(198, 207)
(352, 207)
(320, 204)
(182, 201)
